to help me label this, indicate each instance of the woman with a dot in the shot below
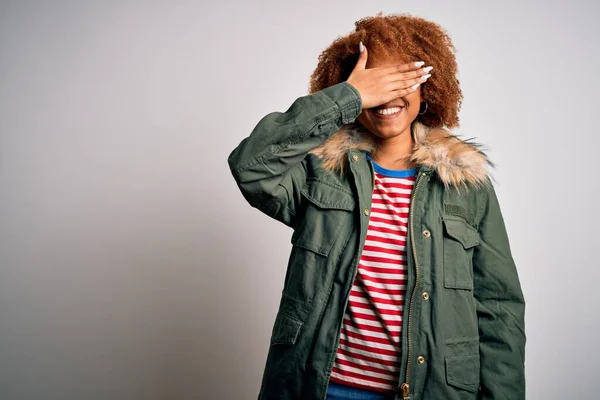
(400, 282)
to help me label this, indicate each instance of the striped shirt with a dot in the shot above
(369, 353)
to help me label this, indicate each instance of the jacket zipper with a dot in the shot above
(405, 386)
(347, 299)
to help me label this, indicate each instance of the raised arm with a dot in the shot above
(269, 165)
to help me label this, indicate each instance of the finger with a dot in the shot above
(403, 92)
(406, 83)
(412, 66)
(362, 58)
(399, 76)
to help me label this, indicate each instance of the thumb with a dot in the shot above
(362, 58)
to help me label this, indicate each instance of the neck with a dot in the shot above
(394, 153)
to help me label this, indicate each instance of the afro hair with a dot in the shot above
(404, 37)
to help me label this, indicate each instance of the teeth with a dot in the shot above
(389, 111)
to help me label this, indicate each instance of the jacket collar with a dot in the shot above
(457, 162)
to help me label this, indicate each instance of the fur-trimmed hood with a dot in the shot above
(457, 162)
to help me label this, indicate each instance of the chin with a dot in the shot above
(388, 132)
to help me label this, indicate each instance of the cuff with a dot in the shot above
(347, 99)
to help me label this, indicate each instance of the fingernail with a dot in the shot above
(361, 47)
(416, 85)
(419, 63)
(427, 69)
(425, 77)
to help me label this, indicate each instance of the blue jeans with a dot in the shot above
(337, 391)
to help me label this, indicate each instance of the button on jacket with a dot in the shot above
(463, 333)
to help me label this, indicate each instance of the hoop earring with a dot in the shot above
(424, 111)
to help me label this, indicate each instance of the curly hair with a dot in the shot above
(406, 37)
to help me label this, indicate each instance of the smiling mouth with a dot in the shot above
(388, 112)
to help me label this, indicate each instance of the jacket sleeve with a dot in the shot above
(269, 165)
(500, 308)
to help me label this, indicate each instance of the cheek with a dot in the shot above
(361, 118)
(415, 97)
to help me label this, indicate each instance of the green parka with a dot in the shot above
(463, 333)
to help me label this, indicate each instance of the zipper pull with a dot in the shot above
(405, 391)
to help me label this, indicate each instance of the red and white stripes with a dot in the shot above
(369, 353)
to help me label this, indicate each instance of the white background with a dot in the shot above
(131, 267)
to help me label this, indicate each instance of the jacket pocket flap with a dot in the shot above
(463, 372)
(461, 231)
(327, 195)
(285, 329)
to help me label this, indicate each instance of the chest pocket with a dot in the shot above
(460, 238)
(327, 217)
(328, 207)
